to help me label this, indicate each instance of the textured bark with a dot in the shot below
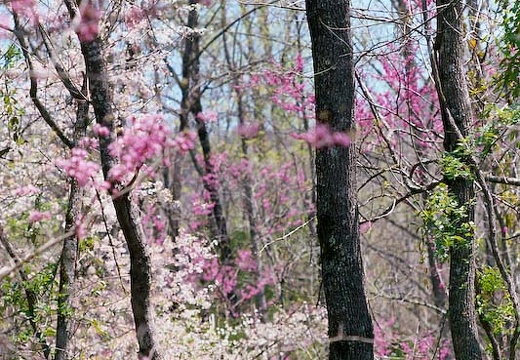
(69, 252)
(350, 326)
(101, 95)
(456, 111)
(68, 263)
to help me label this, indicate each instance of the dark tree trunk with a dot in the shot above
(101, 95)
(457, 118)
(350, 325)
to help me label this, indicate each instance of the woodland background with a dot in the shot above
(199, 176)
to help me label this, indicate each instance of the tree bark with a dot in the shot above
(457, 114)
(101, 95)
(69, 252)
(350, 325)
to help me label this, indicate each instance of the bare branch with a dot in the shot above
(33, 92)
(503, 180)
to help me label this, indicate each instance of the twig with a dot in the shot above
(284, 237)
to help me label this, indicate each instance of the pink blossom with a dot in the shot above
(5, 25)
(37, 216)
(134, 16)
(146, 138)
(211, 269)
(249, 131)
(425, 344)
(185, 141)
(406, 348)
(80, 229)
(88, 26)
(298, 63)
(146, 10)
(26, 8)
(244, 261)
(365, 227)
(88, 143)
(208, 116)
(202, 209)
(444, 352)
(26, 190)
(78, 167)
(442, 286)
(101, 130)
(250, 291)
(322, 137)
(227, 279)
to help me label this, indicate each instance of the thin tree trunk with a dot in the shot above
(405, 27)
(247, 181)
(438, 289)
(250, 211)
(101, 94)
(172, 182)
(350, 325)
(69, 252)
(456, 111)
(191, 104)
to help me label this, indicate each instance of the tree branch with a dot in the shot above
(33, 92)
(503, 180)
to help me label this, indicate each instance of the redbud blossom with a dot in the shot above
(37, 216)
(88, 27)
(78, 167)
(322, 137)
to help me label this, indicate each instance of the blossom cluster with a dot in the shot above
(78, 166)
(324, 137)
(146, 138)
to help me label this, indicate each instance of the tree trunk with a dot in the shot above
(101, 94)
(350, 326)
(457, 114)
(404, 27)
(247, 181)
(69, 251)
(191, 104)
